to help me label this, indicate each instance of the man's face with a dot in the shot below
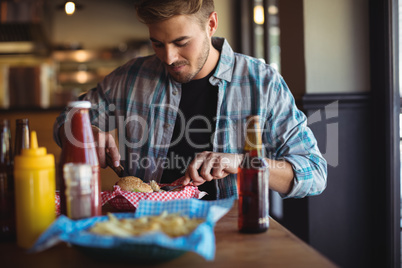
(182, 45)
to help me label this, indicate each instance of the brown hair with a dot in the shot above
(152, 11)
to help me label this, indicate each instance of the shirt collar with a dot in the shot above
(224, 69)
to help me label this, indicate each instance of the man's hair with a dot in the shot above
(153, 11)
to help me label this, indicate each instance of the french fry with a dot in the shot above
(172, 225)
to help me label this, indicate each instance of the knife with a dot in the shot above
(173, 187)
(168, 188)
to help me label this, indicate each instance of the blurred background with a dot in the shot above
(48, 57)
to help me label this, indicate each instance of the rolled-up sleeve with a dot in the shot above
(289, 138)
(309, 167)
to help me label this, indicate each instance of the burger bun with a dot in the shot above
(134, 184)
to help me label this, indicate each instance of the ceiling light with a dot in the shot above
(69, 7)
(259, 14)
(273, 10)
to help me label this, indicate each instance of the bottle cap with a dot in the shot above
(22, 121)
(79, 104)
(35, 157)
(4, 123)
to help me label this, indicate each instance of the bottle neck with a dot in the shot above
(5, 149)
(21, 136)
(254, 151)
(253, 143)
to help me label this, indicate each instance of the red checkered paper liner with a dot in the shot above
(57, 203)
(128, 201)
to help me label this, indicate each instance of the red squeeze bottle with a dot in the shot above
(78, 146)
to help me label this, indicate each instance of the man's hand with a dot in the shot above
(208, 166)
(105, 144)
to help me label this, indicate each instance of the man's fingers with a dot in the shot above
(99, 137)
(102, 157)
(193, 175)
(211, 165)
(219, 173)
(207, 167)
(105, 144)
(112, 150)
(186, 179)
(192, 170)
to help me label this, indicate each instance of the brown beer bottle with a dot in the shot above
(21, 135)
(7, 202)
(252, 182)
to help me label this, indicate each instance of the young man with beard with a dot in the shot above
(181, 113)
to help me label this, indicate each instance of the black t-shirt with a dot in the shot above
(198, 105)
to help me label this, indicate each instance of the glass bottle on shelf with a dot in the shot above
(7, 201)
(21, 135)
(78, 146)
(252, 182)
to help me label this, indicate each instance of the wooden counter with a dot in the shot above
(275, 248)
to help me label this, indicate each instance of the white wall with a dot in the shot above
(336, 46)
(225, 10)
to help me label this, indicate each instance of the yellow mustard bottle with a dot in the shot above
(35, 187)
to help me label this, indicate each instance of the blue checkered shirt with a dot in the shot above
(141, 101)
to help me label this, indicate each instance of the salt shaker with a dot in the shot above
(78, 191)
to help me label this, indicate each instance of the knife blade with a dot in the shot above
(168, 188)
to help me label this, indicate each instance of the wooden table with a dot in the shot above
(275, 248)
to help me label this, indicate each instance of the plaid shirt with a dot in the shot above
(141, 100)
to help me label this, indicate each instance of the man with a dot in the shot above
(185, 109)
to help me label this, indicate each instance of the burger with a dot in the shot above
(134, 184)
